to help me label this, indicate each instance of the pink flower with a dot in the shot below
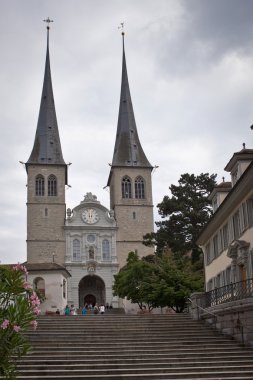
(5, 324)
(16, 328)
(36, 311)
(26, 285)
(34, 324)
(20, 267)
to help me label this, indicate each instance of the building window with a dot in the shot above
(64, 288)
(126, 188)
(228, 275)
(209, 285)
(250, 212)
(225, 236)
(215, 246)
(52, 186)
(106, 250)
(139, 188)
(39, 186)
(208, 258)
(215, 203)
(245, 221)
(134, 215)
(76, 250)
(39, 285)
(235, 176)
(91, 238)
(236, 225)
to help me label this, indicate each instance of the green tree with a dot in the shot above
(187, 211)
(158, 281)
(18, 311)
(133, 281)
(173, 280)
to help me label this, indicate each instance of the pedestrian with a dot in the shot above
(67, 311)
(102, 309)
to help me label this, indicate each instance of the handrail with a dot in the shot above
(206, 311)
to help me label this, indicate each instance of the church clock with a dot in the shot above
(90, 216)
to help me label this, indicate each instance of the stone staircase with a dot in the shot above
(132, 347)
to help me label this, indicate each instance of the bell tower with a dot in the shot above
(47, 177)
(130, 180)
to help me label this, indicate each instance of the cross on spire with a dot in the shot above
(121, 27)
(48, 22)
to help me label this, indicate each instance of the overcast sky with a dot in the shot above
(190, 68)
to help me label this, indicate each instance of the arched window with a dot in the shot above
(52, 186)
(139, 188)
(64, 288)
(91, 253)
(126, 187)
(39, 185)
(39, 285)
(106, 250)
(76, 250)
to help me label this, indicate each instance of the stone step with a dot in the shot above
(180, 356)
(137, 347)
(151, 376)
(96, 364)
(132, 347)
(175, 373)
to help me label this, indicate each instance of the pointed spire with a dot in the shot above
(128, 150)
(47, 145)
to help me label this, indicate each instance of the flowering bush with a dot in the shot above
(19, 307)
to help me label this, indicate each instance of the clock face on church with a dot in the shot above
(90, 216)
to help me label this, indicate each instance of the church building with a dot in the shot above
(73, 255)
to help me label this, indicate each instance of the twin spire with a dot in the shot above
(127, 150)
(47, 147)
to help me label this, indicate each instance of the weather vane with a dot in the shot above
(121, 27)
(48, 22)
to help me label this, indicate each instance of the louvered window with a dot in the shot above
(139, 188)
(52, 186)
(40, 185)
(126, 188)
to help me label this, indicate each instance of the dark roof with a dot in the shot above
(226, 185)
(243, 155)
(128, 150)
(31, 267)
(47, 145)
(223, 187)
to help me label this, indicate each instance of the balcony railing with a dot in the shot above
(232, 292)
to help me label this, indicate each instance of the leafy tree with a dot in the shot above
(173, 280)
(187, 210)
(157, 281)
(18, 311)
(133, 281)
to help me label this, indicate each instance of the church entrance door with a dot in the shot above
(91, 290)
(90, 300)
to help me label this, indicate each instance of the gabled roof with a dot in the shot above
(240, 190)
(47, 145)
(243, 155)
(128, 150)
(46, 267)
(223, 187)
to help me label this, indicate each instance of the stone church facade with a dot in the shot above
(91, 256)
(73, 255)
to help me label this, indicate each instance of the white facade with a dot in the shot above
(91, 256)
(50, 280)
(227, 240)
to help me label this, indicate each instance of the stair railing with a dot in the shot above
(205, 311)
